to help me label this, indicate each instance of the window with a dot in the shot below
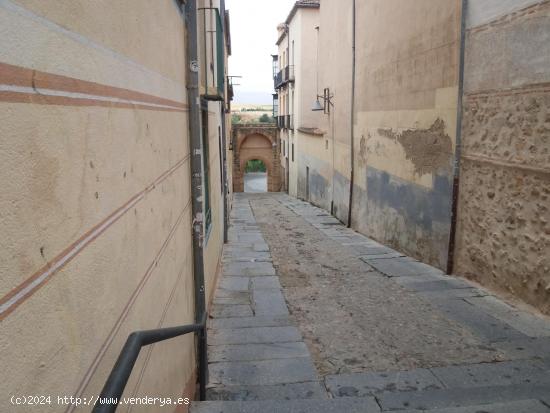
(292, 152)
(206, 169)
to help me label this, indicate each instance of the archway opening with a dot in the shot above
(255, 176)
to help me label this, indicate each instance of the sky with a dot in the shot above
(253, 36)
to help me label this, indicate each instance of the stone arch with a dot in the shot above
(256, 142)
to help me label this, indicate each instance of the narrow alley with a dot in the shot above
(310, 316)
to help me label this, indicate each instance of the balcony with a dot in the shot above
(284, 76)
(289, 122)
(281, 122)
(211, 42)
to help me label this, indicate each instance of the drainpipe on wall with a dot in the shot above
(224, 175)
(224, 142)
(458, 151)
(352, 152)
(197, 173)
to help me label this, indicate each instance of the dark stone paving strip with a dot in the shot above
(522, 406)
(368, 384)
(252, 352)
(291, 391)
(434, 399)
(255, 352)
(262, 372)
(291, 406)
(509, 373)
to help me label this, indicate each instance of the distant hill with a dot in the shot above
(252, 98)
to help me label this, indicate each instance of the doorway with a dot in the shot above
(255, 176)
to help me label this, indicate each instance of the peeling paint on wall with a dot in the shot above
(430, 150)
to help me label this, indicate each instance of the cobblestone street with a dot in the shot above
(310, 316)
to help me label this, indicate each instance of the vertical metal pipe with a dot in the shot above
(203, 362)
(224, 174)
(458, 150)
(197, 174)
(352, 115)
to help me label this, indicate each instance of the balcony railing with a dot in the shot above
(284, 76)
(289, 122)
(289, 73)
(280, 122)
(278, 79)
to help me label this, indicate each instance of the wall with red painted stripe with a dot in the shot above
(95, 216)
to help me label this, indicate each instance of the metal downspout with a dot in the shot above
(224, 175)
(352, 151)
(197, 174)
(458, 150)
(224, 140)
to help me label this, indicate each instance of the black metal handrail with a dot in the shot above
(114, 387)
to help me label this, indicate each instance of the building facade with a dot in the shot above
(295, 81)
(432, 137)
(96, 210)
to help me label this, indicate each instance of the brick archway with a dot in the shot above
(253, 141)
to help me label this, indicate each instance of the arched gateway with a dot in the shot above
(256, 141)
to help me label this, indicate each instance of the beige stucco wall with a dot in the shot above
(96, 196)
(503, 235)
(405, 126)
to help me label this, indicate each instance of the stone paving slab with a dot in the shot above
(262, 372)
(420, 279)
(452, 294)
(494, 374)
(366, 384)
(251, 352)
(529, 324)
(269, 302)
(437, 285)
(402, 267)
(234, 283)
(291, 406)
(291, 391)
(228, 311)
(443, 398)
(482, 324)
(526, 348)
(224, 297)
(264, 283)
(254, 335)
(252, 269)
(521, 406)
(230, 294)
(248, 322)
(251, 257)
(389, 255)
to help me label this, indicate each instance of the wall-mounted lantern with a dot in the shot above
(327, 102)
